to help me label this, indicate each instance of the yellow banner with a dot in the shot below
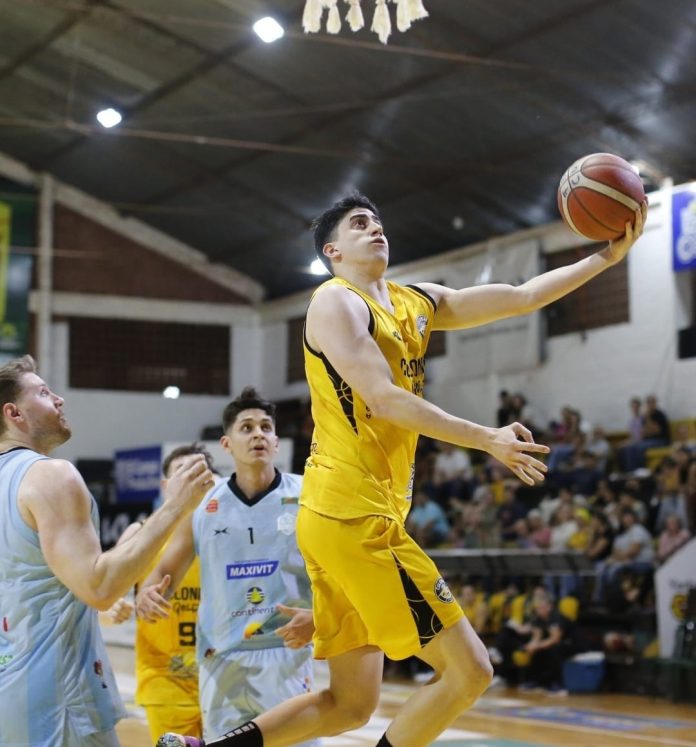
(5, 231)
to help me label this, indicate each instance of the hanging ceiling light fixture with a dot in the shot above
(407, 11)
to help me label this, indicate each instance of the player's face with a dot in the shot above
(42, 413)
(359, 239)
(251, 439)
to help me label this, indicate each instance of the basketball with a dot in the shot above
(598, 194)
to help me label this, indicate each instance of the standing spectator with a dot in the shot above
(504, 414)
(509, 511)
(655, 432)
(672, 537)
(598, 444)
(668, 499)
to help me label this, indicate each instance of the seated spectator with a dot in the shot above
(580, 539)
(672, 537)
(601, 539)
(629, 498)
(563, 527)
(426, 522)
(539, 532)
(473, 603)
(584, 476)
(551, 643)
(452, 472)
(632, 551)
(605, 499)
(654, 433)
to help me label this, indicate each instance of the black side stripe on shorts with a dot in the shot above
(427, 622)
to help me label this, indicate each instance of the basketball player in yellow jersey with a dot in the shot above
(374, 590)
(165, 651)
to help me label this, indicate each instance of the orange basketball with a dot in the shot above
(598, 194)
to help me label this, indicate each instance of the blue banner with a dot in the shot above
(138, 473)
(684, 228)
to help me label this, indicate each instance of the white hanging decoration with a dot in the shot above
(381, 22)
(311, 18)
(417, 10)
(333, 22)
(407, 11)
(355, 17)
(403, 15)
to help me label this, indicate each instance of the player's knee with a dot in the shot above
(482, 673)
(354, 714)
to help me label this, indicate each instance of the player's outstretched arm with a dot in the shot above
(151, 601)
(54, 500)
(337, 327)
(471, 307)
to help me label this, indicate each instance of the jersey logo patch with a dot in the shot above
(220, 531)
(421, 324)
(289, 501)
(286, 523)
(252, 569)
(442, 591)
(211, 506)
(255, 595)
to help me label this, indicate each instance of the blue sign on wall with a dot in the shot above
(138, 473)
(684, 228)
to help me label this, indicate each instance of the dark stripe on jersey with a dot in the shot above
(371, 323)
(427, 622)
(424, 294)
(343, 392)
(307, 345)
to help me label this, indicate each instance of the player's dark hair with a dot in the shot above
(324, 225)
(11, 381)
(194, 448)
(249, 399)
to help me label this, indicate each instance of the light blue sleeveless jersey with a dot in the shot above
(54, 673)
(249, 564)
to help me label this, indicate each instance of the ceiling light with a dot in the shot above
(171, 392)
(268, 29)
(109, 117)
(318, 268)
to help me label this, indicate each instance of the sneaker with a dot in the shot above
(556, 691)
(178, 740)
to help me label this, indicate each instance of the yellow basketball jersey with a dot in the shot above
(360, 465)
(165, 651)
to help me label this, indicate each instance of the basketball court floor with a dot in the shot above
(502, 718)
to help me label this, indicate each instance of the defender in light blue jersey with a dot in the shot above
(252, 578)
(56, 685)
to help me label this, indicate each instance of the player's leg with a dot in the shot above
(462, 673)
(347, 703)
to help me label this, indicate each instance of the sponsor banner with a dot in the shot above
(673, 581)
(137, 473)
(510, 344)
(684, 228)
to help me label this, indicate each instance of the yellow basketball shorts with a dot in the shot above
(372, 585)
(183, 719)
